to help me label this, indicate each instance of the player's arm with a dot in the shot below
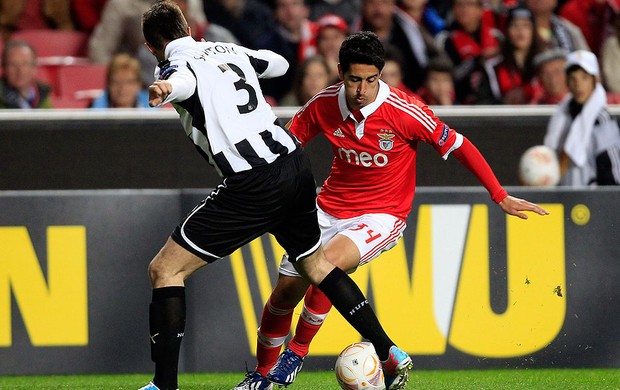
(267, 63)
(176, 85)
(473, 160)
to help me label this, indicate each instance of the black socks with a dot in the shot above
(167, 327)
(348, 299)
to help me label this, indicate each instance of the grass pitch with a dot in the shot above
(546, 379)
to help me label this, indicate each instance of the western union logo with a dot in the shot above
(54, 309)
(445, 299)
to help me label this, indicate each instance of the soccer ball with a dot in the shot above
(539, 167)
(358, 368)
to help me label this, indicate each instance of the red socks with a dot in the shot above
(316, 308)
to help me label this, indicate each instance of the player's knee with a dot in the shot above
(159, 271)
(288, 292)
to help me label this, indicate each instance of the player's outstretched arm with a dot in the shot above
(516, 206)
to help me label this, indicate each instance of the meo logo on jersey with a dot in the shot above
(386, 142)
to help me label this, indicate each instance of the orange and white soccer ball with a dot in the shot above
(358, 368)
(539, 167)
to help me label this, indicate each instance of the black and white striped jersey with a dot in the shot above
(215, 90)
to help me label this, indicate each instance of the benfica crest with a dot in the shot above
(385, 140)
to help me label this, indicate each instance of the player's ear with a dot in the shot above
(340, 74)
(151, 49)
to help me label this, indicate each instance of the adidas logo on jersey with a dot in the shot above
(338, 133)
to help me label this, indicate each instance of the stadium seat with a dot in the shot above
(73, 80)
(55, 43)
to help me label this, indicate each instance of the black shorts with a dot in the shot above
(279, 198)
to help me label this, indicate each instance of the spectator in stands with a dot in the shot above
(581, 131)
(294, 38)
(593, 17)
(396, 27)
(551, 76)
(469, 41)
(18, 85)
(553, 30)
(411, 33)
(119, 30)
(24, 14)
(438, 88)
(610, 55)
(332, 31)
(349, 10)
(248, 20)
(510, 76)
(123, 85)
(312, 76)
(392, 72)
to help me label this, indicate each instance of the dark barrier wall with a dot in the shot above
(468, 287)
(148, 149)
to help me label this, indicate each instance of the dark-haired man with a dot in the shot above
(374, 130)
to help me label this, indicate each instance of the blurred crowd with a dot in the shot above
(445, 51)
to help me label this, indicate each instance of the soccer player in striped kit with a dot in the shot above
(267, 186)
(374, 130)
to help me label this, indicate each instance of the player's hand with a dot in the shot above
(158, 92)
(515, 206)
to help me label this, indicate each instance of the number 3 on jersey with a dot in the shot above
(371, 234)
(241, 84)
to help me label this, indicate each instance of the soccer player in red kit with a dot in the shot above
(374, 130)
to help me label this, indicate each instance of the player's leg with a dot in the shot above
(168, 271)
(274, 328)
(276, 320)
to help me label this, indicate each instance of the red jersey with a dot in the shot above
(374, 167)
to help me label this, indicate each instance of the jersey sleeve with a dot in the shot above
(473, 160)
(267, 63)
(304, 125)
(420, 123)
(182, 79)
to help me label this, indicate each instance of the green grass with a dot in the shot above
(560, 379)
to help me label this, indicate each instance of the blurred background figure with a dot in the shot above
(417, 43)
(18, 85)
(312, 76)
(610, 57)
(332, 31)
(87, 13)
(395, 26)
(248, 20)
(119, 30)
(349, 10)
(510, 76)
(593, 17)
(123, 85)
(470, 39)
(551, 76)
(581, 131)
(294, 38)
(554, 30)
(438, 88)
(29, 14)
(392, 72)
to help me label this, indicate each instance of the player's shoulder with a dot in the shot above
(326, 98)
(398, 99)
